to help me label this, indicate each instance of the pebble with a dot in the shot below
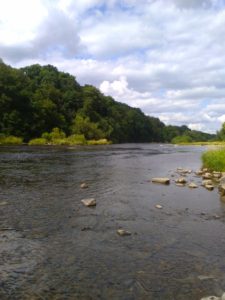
(89, 202)
(123, 232)
(192, 185)
(84, 185)
(158, 206)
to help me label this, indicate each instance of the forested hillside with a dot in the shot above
(36, 99)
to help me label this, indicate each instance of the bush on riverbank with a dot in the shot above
(10, 140)
(214, 159)
(58, 137)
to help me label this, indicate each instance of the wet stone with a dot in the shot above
(123, 232)
(89, 202)
(163, 180)
(84, 185)
(192, 185)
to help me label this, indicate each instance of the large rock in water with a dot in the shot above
(89, 202)
(221, 186)
(162, 180)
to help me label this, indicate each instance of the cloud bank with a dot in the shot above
(166, 57)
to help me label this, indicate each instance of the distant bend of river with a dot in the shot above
(53, 247)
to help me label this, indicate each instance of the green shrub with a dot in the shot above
(38, 141)
(182, 139)
(214, 159)
(10, 140)
(76, 139)
(99, 142)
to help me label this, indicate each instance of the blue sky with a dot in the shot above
(166, 57)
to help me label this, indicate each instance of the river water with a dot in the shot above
(53, 247)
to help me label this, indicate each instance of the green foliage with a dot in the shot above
(76, 139)
(83, 125)
(10, 140)
(214, 159)
(36, 99)
(98, 142)
(183, 139)
(37, 142)
(221, 133)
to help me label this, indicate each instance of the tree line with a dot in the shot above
(36, 99)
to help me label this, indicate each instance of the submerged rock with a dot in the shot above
(89, 202)
(3, 203)
(214, 297)
(123, 232)
(163, 180)
(180, 184)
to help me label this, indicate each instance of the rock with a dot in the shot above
(207, 176)
(158, 206)
(181, 180)
(204, 277)
(207, 182)
(123, 232)
(162, 180)
(209, 187)
(180, 184)
(192, 185)
(89, 202)
(217, 174)
(204, 170)
(223, 296)
(199, 173)
(84, 185)
(3, 203)
(221, 186)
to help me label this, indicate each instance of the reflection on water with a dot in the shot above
(52, 247)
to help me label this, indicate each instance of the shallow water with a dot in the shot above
(52, 247)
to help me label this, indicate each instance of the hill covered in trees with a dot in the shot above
(36, 99)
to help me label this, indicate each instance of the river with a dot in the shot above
(53, 247)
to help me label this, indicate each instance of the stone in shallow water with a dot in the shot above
(158, 206)
(162, 180)
(209, 187)
(211, 298)
(123, 232)
(181, 180)
(3, 203)
(84, 185)
(192, 185)
(89, 202)
(207, 176)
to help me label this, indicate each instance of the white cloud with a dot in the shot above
(166, 57)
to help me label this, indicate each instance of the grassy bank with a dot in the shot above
(214, 160)
(211, 143)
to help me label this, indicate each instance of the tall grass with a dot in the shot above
(214, 159)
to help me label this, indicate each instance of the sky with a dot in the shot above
(166, 57)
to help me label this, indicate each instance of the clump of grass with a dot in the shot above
(214, 159)
(10, 140)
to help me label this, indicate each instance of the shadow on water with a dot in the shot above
(52, 247)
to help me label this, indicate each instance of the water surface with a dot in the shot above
(52, 247)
